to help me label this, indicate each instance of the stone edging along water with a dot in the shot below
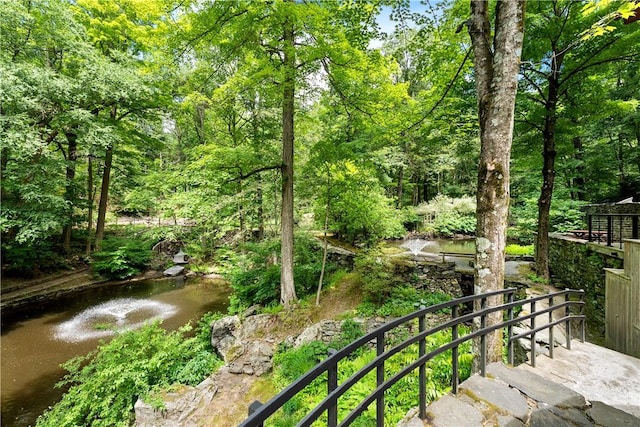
(43, 292)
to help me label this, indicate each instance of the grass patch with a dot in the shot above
(515, 249)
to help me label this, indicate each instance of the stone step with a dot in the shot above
(511, 397)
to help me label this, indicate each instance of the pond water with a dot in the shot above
(34, 345)
(434, 246)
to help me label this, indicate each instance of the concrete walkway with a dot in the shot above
(595, 372)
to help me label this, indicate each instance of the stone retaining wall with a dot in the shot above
(580, 265)
(432, 276)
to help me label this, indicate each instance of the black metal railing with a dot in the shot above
(557, 302)
(613, 227)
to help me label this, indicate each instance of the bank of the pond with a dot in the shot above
(33, 347)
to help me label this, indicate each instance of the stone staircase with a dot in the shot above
(513, 397)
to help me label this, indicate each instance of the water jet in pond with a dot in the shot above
(113, 316)
(415, 246)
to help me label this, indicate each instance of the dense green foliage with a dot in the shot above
(376, 273)
(255, 279)
(120, 258)
(184, 123)
(105, 384)
(26, 260)
(447, 216)
(384, 292)
(402, 300)
(565, 215)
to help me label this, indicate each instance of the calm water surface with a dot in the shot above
(434, 246)
(33, 346)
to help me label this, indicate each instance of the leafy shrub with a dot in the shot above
(25, 260)
(376, 272)
(349, 332)
(564, 215)
(105, 384)
(121, 258)
(256, 280)
(447, 216)
(402, 301)
(360, 210)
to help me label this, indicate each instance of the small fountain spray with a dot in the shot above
(113, 316)
(415, 246)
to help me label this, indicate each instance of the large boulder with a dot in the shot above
(241, 344)
(179, 405)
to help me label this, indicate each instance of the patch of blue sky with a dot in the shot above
(388, 26)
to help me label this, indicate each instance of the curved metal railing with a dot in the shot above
(479, 314)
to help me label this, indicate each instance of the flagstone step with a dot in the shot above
(511, 397)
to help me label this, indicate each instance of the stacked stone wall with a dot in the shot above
(579, 266)
(434, 277)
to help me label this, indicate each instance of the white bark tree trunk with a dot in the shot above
(497, 62)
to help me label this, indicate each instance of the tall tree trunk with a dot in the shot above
(89, 203)
(496, 71)
(104, 194)
(287, 287)
(400, 188)
(621, 165)
(240, 207)
(70, 193)
(425, 189)
(548, 169)
(326, 242)
(260, 201)
(579, 179)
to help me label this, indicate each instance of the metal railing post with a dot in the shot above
(533, 334)
(253, 408)
(332, 384)
(609, 229)
(552, 343)
(590, 221)
(454, 352)
(379, 381)
(422, 372)
(567, 324)
(583, 320)
(483, 338)
(510, 332)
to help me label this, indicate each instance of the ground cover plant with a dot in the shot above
(104, 385)
(289, 364)
(256, 277)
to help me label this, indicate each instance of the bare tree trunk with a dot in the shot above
(104, 194)
(260, 202)
(287, 287)
(548, 169)
(89, 203)
(400, 189)
(326, 243)
(579, 179)
(496, 71)
(240, 206)
(70, 193)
